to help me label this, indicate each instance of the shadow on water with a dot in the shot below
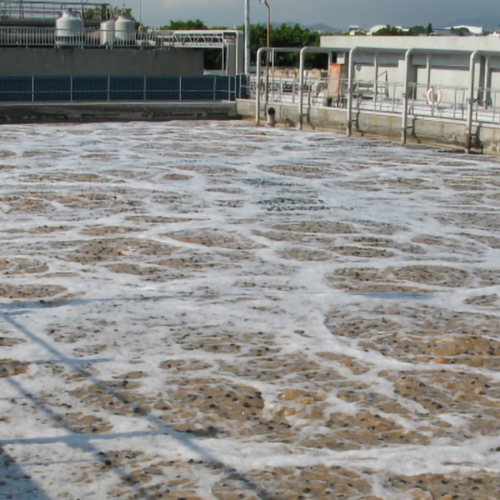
(189, 441)
(15, 483)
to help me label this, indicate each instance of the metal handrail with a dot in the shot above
(44, 10)
(89, 38)
(453, 103)
(69, 92)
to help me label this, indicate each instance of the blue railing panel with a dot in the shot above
(162, 88)
(15, 88)
(52, 88)
(120, 88)
(126, 88)
(198, 88)
(90, 88)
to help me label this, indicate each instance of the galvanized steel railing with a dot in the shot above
(113, 88)
(20, 10)
(91, 38)
(444, 102)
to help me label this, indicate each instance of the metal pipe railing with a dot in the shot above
(447, 102)
(104, 88)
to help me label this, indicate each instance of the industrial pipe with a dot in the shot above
(350, 80)
(470, 109)
(404, 124)
(257, 90)
(303, 52)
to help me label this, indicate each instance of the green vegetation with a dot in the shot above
(283, 36)
(287, 36)
(185, 25)
(394, 31)
(462, 31)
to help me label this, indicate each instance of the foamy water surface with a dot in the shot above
(207, 310)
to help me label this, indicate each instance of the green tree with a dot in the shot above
(286, 36)
(429, 29)
(390, 31)
(185, 25)
(417, 30)
(282, 36)
(462, 31)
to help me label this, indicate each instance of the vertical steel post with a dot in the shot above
(486, 91)
(301, 87)
(350, 90)
(247, 37)
(257, 88)
(470, 103)
(404, 124)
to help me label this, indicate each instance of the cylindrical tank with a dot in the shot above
(125, 30)
(69, 29)
(107, 32)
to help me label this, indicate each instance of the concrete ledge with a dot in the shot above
(486, 137)
(116, 112)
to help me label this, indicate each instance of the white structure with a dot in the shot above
(69, 28)
(473, 30)
(450, 83)
(125, 30)
(435, 61)
(378, 27)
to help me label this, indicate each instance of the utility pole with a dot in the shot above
(247, 37)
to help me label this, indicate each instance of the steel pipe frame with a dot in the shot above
(273, 50)
(470, 103)
(352, 50)
(404, 123)
(247, 37)
(303, 52)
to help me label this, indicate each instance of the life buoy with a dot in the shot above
(434, 98)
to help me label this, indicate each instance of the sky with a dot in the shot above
(334, 13)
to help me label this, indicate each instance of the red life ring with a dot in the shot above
(434, 98)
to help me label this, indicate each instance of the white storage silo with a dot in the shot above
(107, 32)
(69, 29)
(124, 30)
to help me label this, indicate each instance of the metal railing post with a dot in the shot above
(301, 87)
(180, 88)
(470, 103)
(404, 124)
(257, 88)
(303, 51)
(350, 90)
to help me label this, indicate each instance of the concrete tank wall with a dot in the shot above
(100, 62)
(426, 130)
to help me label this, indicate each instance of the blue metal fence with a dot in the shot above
(121, 88)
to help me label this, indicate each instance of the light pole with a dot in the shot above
(247, 38)
(268, 45)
